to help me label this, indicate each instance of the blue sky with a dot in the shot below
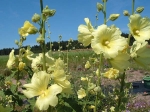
(69, 15)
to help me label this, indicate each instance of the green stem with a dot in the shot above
(43, 36)
(122, 83)
(104, 12)
(133, 2)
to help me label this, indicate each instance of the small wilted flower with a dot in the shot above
(113, 17)
(140, 9)
(12, 60)
(99, 7)
(112, 73)
(39, 87)
(85, 33)
(21, 66)
(87, 65)
(112, 109)
(139, 27)
(81, 93)
(36, 18)
(84, 78)
(108, 40)
(126, 13)
(27, 29)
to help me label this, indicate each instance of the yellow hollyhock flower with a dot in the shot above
(139, 27)
(27, 29)
(11, 60)
(140, 53)
(112, 73)
(108, 40)
(21, 65)
(120, 62)
(37, 62)
(81, 93)
(85, 33)
(60, 77)
(39, 87)
(87, 65)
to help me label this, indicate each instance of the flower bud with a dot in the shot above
(48, 12)
(126, 13)
(99, 7)
(113, 17)
(36, 18)
(21, 65)
(87, 65)
(32, 30)
(139, 9)
(16, 42)
(40, 39)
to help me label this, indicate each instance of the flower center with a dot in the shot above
(106, 43)
(43, 93)
(136, 32)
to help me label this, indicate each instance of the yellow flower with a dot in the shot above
(112, 109)
(37, 62)
(140, 53)
(87, 65)
(39, 87)
(120, 62)
(11, 60)
(21, 65)
(60, 77)
(85, 33)
(27, 29)
(108, 40)
(112, 73)
(139, 27)
(81, 93)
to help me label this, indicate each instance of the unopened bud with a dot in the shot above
(16, 42)
(126, 13)
(48, 12)
(139, 9)
(36, 18)
(113, 17)
(40, 39)
(32, 30)
(99, 7)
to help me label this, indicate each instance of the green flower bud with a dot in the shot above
(113, 17)
(126, 13)
(32, 30)
(48, 12)
(16, 42)
(99, 7)
(36, 18)
(40, 39)
(139, 9)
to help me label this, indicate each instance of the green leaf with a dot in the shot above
(6, 109)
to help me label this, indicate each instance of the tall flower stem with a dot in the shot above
(43, 36)
(100, 61)
(133, 2)
(122, 83)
